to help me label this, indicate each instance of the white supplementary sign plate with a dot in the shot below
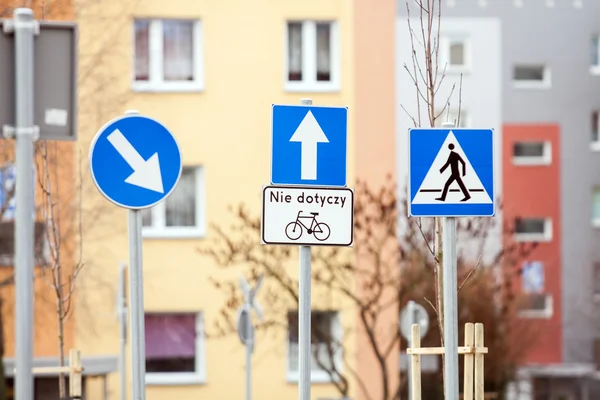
(307, 216)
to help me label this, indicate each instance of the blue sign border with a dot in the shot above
(93, 146)
(454, 210)
(346, 164)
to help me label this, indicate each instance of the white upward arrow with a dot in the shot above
(309, 133)
(146, 173)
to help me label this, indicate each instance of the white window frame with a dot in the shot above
(158, 230)
(595, 144)
(185, 378)
(319, 376)
(595, 221)
(536, 237)
(545, 159)
(595, 69)
(546, 313)
(446, 42)
(155, 55)
(545, 83)
(309, 81)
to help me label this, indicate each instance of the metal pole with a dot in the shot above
(136, 304)
(136, 301)
(25, 132)
(122, 332)
(411, 313)
(304, 330)
(450, 310)
(249, 346)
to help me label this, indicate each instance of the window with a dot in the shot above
(535, 305)
(325, 345)
(168, 55)
(597, 279)
(532, 277)
(452, 116)
(456, 54)
(531, 76)
(533, 229)
(596, 208)
(595, 128)
(312, 56)
(532, 153)
(181, 214)
(175, 351)
(595, 61)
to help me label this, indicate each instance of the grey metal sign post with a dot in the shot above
(450, 296)
(135, 176)
(25, 28)
(34, 56)
(245, 328)
(309, 152)
(122, 316)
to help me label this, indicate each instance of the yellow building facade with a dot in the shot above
(209, 70)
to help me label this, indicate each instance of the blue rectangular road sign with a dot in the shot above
(309, 145)
(451, 172)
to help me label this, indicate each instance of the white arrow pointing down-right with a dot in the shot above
(309, 133)
(146, 173)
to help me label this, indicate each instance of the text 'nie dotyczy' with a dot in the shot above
(303, 198)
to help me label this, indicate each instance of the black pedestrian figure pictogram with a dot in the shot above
(453, 159)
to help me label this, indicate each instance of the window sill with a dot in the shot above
(535, 314)
(318, 377)
(532, 85)
(312, 87)
(531, 161)
(531, 237)
(164, 87)
(458, 69)
(173, 233)
(175, 379)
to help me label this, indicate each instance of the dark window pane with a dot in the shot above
(323, 51)
(294, 51)
(142, 50)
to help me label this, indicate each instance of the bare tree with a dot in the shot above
(335, 272)
(61, 213)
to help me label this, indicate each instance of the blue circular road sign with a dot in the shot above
(135, 161)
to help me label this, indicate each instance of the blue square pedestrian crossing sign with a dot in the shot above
(451, 172)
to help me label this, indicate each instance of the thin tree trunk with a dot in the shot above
(62, 384)
(440, 285)
(3, 391)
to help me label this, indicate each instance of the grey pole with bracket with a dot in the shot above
(136, 303)
(450, 296)
(25, 27)
(122, 315)
(304, 329)
(245, 328)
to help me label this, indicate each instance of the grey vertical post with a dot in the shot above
(411, 313)
(450, 296)
(450, 309)
(122, 332)
(136, 304)
(249, 347)
(304, 331)
(25, 132)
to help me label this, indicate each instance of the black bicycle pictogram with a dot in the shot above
(319, 230)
